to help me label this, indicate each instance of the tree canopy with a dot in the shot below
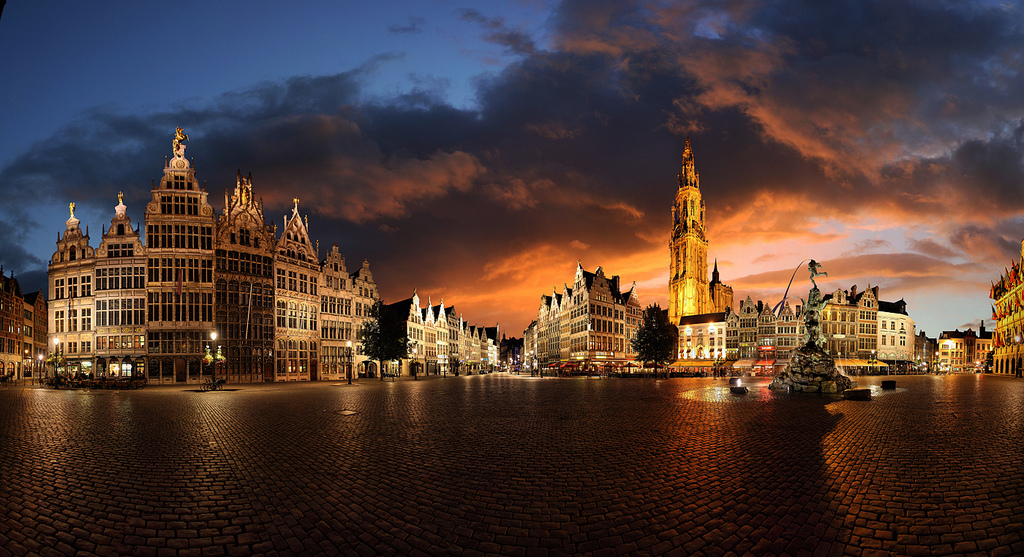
(383, 336)
(655, 340)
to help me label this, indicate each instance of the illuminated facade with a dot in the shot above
(437, 339)
(244, 301)
(70, 275)
(297, 298)
(850, 323)
(896, 335)
(1008, 312)
(118, 315)
(964, 351)
(179, 286)
(128, 308)
(589, 325)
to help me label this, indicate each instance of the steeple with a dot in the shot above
(688, 177)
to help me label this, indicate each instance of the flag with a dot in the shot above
(180, 277)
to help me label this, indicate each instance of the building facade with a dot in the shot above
(297, 298)
(964, 351)
(440, 343)
(180, 260)
(245, 317)
(34, 332)
(1008, 312)
(118, 324)
(895, 335)
(71, 271)
(850, 325)
(198, 285)
(588, 326)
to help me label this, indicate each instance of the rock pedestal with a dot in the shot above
(811, 370)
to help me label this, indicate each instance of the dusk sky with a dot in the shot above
(476, 150)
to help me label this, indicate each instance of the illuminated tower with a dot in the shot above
(688, 249)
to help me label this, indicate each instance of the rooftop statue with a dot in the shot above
(71, 206)
(176, 145)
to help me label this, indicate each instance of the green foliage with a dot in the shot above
(655, 340)
(383, 335)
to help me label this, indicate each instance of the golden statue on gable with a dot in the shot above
(176, 145)
(71, 206)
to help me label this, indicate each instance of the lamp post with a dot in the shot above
(213, 339)
(351, 360)
(56, 357)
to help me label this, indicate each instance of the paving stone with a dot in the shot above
(499, 464)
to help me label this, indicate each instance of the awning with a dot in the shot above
(692, 363)
(744, 363)
(764, 363)
(857, 362)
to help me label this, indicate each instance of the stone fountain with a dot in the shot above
(811, 369)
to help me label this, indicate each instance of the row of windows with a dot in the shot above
(336, 306)
(74, 346)
(179, 204)
(72, 287)
(116, 312)
(296, 316)
(121, 250)
(245, 326)
(333, 330)
(176, 342)
(179, 236)
(188, 306)
(168, 269)
(121, 342)
(245, 263)
(296, 281)
(75, 320)
(120, 278)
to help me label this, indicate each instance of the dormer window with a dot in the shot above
(120, 230)
(71, 254)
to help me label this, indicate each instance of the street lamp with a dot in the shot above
(213, 339)
(350, 361)
(56, 343)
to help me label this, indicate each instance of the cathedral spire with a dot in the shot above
(688, 176)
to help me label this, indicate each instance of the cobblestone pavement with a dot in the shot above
(508, 465)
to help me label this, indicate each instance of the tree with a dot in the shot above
(655, 340)
(383, 336)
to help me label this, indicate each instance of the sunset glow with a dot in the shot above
(475, 155)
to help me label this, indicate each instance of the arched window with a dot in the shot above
(120, 230)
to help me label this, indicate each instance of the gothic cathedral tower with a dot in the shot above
(688, 267)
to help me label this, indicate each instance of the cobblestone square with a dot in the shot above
(508, 465)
